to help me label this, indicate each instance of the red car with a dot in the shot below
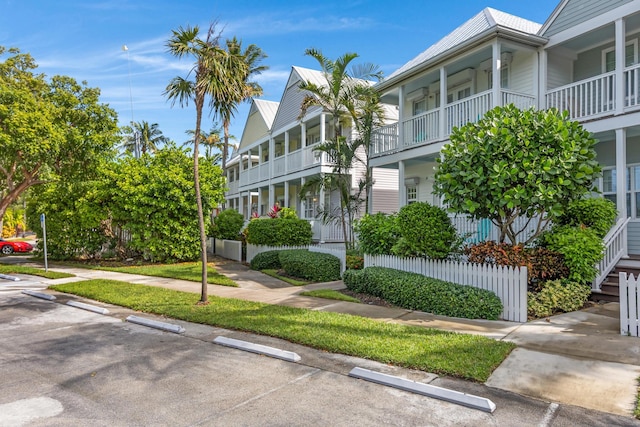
(7, 247)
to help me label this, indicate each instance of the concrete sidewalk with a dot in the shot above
(575, 358)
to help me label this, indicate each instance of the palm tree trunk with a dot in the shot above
(196, 181)
(225, 145)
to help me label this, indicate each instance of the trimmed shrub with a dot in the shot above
(425, 231)
(557, 296)
(227, 225)
(376, 233)
(581, 247)
(313, 266)
(542, 264)
(599, 214)
(417, 292)
(266, 260)
(279, 232)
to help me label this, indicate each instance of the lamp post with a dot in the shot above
(136, 137)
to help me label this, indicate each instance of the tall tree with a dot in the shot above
(49, 130)
(226, 108)
(213, 74)
(337, 95)
(212, 141)
(144, 137)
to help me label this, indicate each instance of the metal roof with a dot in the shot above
(485, 20)
(267, 110)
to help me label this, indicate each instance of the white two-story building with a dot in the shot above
(276, 155)
(583, 59)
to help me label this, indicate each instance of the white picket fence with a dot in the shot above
(340, 253)
(508, 283)
(230, 249)
(629, 305)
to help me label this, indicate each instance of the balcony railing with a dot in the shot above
(632, 86)
(584, 99)
(423, 129)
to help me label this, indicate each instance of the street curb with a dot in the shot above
(169, 327)
(89, 307)
(39, 295)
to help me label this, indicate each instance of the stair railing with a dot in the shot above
(615, 248)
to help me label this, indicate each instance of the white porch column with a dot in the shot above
(303, 135)
(272, 195)
(249, 159)
(323, 127)
(286, 151)
(303, 201)
(497, 65)
(443, 117)
(402, 194)
(259, 207)
(260, 154)
(621, 172)
(241, 206)
(321, 203)
(542, 88)
(620, 64)
(401, 116)
(272, 155)
(286, 194)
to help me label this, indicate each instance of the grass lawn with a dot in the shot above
(447, 353)
(183, 271)
(329, 294)
(290, 280)
(21, 269)
(637, 411)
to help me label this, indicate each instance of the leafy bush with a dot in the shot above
(266, 260)
(355, 262)
(542, 264)
(376, 233)
(288, 213)
(227, 225)
(599, 214)
(279, 232)
(417, 292)
(581, 247)
(314, 266)
(555, 296)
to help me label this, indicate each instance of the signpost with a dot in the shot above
(44, 237)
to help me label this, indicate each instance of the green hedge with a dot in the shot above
(279, 232)
(557, 296)
(266, 260)
(417, 292)
(314, 266)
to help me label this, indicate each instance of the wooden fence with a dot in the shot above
(508, 283)
(629, 305)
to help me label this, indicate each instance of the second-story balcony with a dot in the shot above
(428, 128)
(596, 96)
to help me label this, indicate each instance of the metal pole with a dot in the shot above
(44, 238)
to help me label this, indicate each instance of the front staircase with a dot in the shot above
(610, 289)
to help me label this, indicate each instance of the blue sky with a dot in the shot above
(84, 39)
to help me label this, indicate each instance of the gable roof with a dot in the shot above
(258, 125)
(488, 19)
(571, 12)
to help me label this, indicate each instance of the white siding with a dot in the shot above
(385, 190)
(289, 109)
(521, 72)
(577, 11)
(425, 172)
(559, 71)
(633, 237)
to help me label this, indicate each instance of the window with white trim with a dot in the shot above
(311, 206)
(412, 194)
(630, 56)
(609, 188)
(504, 76)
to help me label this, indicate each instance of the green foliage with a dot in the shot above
(287, 213)
(313, 266)
(555, 296)
(279, 232)
(599, 214)
(513, 163)
(266, 260)
(227, 225)
(425, 231)
(329, 294)
(52, 130)
(376, 233)
(355, 262)
(542, 264)
(581, 247)
(417, 292)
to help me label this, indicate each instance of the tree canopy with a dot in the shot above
(49, 129)
(514, 163)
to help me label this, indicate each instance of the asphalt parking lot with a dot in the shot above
(63, 366)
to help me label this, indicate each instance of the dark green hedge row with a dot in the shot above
(279, 232)
(301, 263)
(417, 292)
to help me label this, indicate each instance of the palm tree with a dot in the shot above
(143, 137)
(339, 97)
(212, 141)
(215, 74)
(227, 107)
